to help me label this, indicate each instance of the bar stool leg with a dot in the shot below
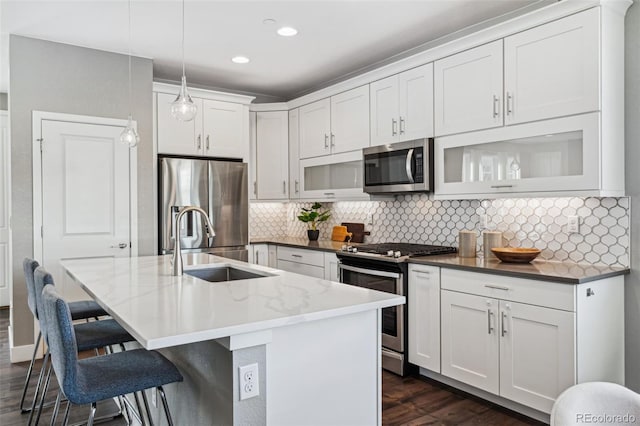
(29, 372)
(165, 405)
(92, 414)
(146, 406)
(44, 394)
(43, 370)
(65, 420)
(54, 416)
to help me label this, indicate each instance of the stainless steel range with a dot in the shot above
(383, 267)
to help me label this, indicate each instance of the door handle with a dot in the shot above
(402, 126)
(407, 165)
(394, 127)
(120, 246)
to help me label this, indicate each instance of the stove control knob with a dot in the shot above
(390, 253)
(355, 250)
(397, 254)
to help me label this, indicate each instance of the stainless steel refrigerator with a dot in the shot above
(219, 188)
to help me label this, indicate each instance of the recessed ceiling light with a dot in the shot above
(269, 21)
(240, 59)
(287, 31)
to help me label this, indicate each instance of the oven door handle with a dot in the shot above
(407, 166)
(370, 271)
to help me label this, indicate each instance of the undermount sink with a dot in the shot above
(221, 274)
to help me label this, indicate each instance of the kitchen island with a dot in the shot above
(316, 342)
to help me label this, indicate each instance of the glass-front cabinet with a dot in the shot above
(561, 155)
(337, 176)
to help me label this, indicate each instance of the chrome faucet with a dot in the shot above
(177, 250)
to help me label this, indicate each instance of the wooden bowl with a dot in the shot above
(516, 255)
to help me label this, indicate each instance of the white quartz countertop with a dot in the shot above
(161, 310)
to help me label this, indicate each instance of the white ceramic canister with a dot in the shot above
(467, 243)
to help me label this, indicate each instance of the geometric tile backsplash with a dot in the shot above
(525, 222)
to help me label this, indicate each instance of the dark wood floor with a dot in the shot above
(405, 401)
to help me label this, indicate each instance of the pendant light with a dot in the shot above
(183, 108)
(129, 136)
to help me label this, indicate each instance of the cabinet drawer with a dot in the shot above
(301, 268)
(309, 257)
(533, 292)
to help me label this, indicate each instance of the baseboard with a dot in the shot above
(19, 353)
(511, 405)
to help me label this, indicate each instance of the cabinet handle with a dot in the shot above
(121, 246)
(255, 188)
(207, 144)
(199, 139)
(326, 141)
(489, 315)
(501, 186)
(394, 127)
(257, 259)
(504, 320)
(296, 255)
(330, 194)
(417, 271)
(284, 186)
(496, 106)
(497, 287)
(333, 139)
(297, 187)
(509, 103)
(402, 126)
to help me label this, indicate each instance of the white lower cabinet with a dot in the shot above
(260, 253)
(301, 261)
(528, 340)
(331, 271)
(424, 316)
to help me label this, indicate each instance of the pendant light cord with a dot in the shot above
(183, 39)
(130, 83)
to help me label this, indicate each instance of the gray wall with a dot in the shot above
(4, 103)
(632, 148)
(71, 80)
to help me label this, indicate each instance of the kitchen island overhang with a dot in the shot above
(317, 342)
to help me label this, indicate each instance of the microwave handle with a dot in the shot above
(408, 167)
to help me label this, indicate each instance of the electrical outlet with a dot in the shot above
(249, 381)
(484, 221)
(573, 224)
(370, 219)
(154, 397)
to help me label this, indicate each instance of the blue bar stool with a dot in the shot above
(87, 381)
(84, 309)
(90, 335)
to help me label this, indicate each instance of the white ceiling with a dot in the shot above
(336, 38)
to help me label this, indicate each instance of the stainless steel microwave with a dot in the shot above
(399, 167)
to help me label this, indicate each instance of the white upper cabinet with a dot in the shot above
(468, 90)
(402, 106)
(350, 120)
(315, 129)
(294, 154)
(384, 110)
(272, 157)
(553, 70)
(223, 129)
(335, 125)
(174, 136)
(219, 129)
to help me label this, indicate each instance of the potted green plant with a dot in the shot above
(312, 217)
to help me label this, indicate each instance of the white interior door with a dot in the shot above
(5, 196)
(85, 196)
